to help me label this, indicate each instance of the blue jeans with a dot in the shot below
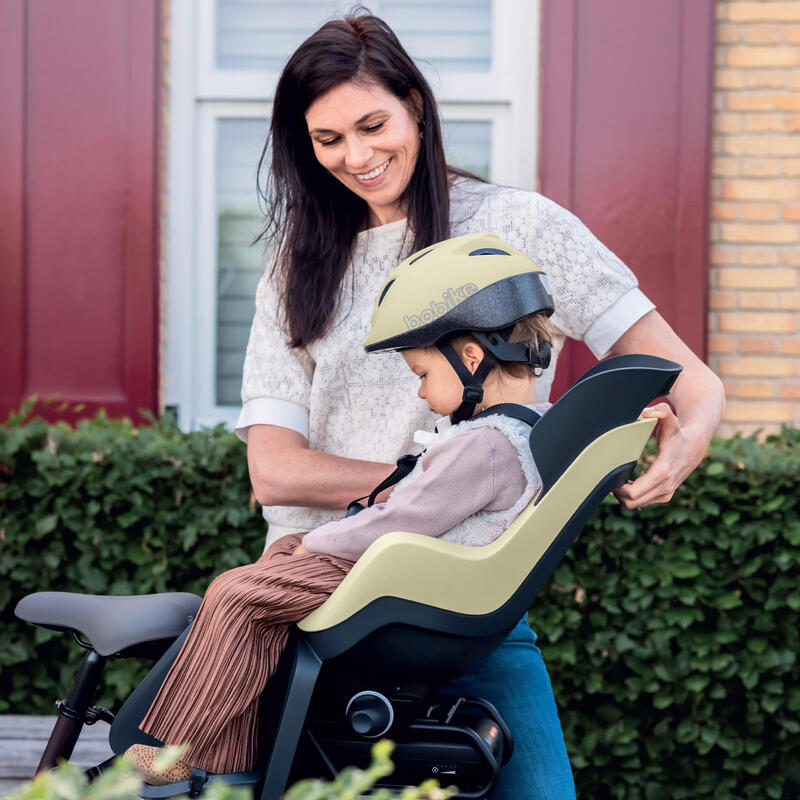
(514, 679)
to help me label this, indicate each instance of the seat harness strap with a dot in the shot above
(520, 412)
(404, 465)
(407, 462)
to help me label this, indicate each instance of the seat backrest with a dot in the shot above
(610, 394)
(411, 582)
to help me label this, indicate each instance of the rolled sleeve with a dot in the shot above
(612, 323)
(276, 383)
(271, 411)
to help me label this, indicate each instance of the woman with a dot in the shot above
(358, 181)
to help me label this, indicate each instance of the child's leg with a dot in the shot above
(209, 698)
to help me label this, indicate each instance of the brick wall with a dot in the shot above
(754, 333)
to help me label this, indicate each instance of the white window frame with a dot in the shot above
(200, 95)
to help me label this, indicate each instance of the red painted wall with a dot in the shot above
(625, 144)
(78, 176)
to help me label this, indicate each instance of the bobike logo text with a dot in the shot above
(450, 299)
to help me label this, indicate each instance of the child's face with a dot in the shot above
(438, 382)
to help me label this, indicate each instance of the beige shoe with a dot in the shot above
(144, 756)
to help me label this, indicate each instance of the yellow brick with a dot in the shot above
(764, 34)
(723, 254)
(719, 300)
(793, 32)
(790, 256)
(764, 300)
(735, 278)
(793, 79)
(758, 212)
(757, 322)
(721, 345)
(759, 190)
(726, 211)
(770, 234)
(789, 347)
(789, 391)
(763, 429)
(755, 389)
(729, 123)
(752, 345)
(755, 145)
(729, 78)
(790, 301)
(759, 167)
(759, 411)
(761, 101)
(728, 34)
(791, 167)
(791, 213)
(765, 78)
(793, 124)
(756, 256)
(763, 57)
(772, 11)
(766, 122)
(725, 167)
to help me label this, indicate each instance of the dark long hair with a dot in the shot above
(310, 215)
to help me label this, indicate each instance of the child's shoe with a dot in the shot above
(144, 756)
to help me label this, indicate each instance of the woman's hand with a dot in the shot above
(698, 398)
(300, 550)
(678, 454)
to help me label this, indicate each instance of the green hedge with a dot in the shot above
(671, 634)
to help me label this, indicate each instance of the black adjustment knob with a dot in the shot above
(370, 714)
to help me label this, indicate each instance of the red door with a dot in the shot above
(626, 133)
(78, 188)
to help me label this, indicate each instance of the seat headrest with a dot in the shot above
(610, 394)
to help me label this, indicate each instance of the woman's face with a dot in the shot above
(369, 139)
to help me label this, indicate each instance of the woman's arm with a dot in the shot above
(285, 472)
(699, 400)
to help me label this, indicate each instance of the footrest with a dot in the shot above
(189, 788)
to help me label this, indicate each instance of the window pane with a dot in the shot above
(468, 144)
(445, 35)
(239, 264)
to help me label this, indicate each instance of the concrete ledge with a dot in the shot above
(22, 741)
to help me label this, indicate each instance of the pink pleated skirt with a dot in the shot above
(209, 699)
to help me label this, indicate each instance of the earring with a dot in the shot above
(421, 128)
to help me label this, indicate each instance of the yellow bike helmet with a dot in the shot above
(474, 284)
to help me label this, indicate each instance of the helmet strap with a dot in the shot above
(522, 352)
(473, 382)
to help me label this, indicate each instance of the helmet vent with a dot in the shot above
(421, 255)
(385, 289)
(489, 251)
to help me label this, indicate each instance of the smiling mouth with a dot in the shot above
(379, 170)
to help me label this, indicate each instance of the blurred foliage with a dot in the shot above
(121, 782)
(671, 634)
(109, 508)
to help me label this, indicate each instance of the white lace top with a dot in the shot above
(361, 406)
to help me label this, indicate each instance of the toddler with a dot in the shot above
(480, 348)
